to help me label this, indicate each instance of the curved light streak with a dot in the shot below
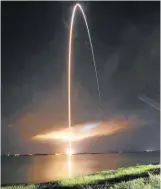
(69, 62)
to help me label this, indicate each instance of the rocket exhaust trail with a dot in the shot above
(150, 102)
(69, 62)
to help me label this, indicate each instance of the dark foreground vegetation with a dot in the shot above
(138, 177)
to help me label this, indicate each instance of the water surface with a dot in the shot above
(36, 169)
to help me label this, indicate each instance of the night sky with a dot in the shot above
(126, 40)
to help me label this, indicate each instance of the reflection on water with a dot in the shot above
(34, 169)
(69, 166)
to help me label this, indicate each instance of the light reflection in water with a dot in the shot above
(36, 169)
(69, 166)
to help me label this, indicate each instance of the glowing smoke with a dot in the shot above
(86, 130)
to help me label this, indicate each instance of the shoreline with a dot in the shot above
(124, 174)
(62, 154)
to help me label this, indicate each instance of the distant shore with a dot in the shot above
(56, 154)
(144, 174)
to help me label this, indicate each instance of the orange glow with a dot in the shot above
(86, 130)
(56, 135)
(69, 151)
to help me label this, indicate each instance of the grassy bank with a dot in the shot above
(138, 177)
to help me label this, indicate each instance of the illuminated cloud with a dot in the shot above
(86, 130)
